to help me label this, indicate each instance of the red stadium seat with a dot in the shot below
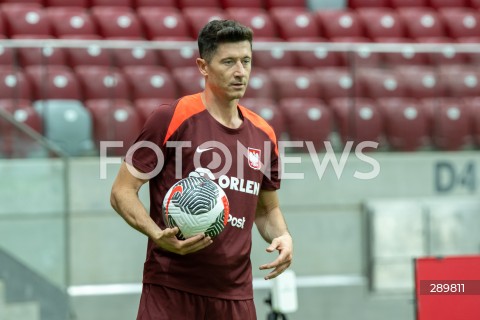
(44, 56)
(406, 56)
(356, 4)
(26, 20)
(422, 81)
(260, 85)
(258, 4)
(268, 110)
(71, 20)
(155, 3)
(461, 82)
(340, 23)
(450, 122)
(15, 144)
(14, 84)
(406, 124)
(285, 4)
(3, 27)
(179, 58)
(115, 120)
(474, 105)
(117, 22)
(91, 55)
(461, 22)
(111, 3)
(408, 3)
(382, 23)
(448, 54)
(7, 56)
(363, 55)
(381, 83)
(338, 83)
(163, 23)
(100, 82)
(135, 56)
(273, 57)
(199, 4)
(422, 23)
(189, 80)
(67, 3)
(151, 82)
(198, 17)
(295, 24)
(145, 107)
(318, 57)
(475, 4)
(295, 83)
(53, 82)
(307, 120)
(257, 19)
(437, 4)
(358, 120)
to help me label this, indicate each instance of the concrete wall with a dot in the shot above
(324, 213)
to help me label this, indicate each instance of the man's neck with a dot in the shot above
(225, 112)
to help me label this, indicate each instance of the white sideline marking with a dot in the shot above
(258, 283)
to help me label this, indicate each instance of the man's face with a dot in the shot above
(229, 70)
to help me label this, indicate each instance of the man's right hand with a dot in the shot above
(167, 240)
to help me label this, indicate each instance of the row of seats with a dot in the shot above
(164, 3)
(401, 124)
(146, 82)
(419, 24)
(413, 3)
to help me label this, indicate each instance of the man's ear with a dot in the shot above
(202, 66)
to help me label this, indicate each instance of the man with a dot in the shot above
(199, 135)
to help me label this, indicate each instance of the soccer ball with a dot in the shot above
(196, 205)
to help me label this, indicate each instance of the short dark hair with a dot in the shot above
(221, 31)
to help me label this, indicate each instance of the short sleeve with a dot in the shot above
(271, 178)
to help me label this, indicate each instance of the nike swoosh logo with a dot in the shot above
(200, 150)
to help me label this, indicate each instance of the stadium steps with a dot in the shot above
(16, 311)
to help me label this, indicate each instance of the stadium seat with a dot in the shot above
(285, 4)
(461, 82)
(91, 55)
(71, 20)
(438, 4)
(178, 58)
(406, 124)
(274, 56)
(26, 20)
(318, 57)
(338, 82)
(260, 85)
(101, 82)
(135, 56)
(114, 120)
(295, 83)
(117, 22)
(422, 23)
(461, 22)
(258, 4)
(307, 120)
(198, 17)
(293, 24)
(111, 3)
(422, 81)
(474, 105)
(408, 3)
(13, 142)
(6, 54)
(68, 124)
(450, 122)
(53, 82)
(340, 23)
(145, 107)
(40, 56)
(268, 110)
(14, 84)
(257, 19)
(163, 23)
(189, 80)
(151, 82)
(381, 23)
(447, 55)
(406, 55)
(475, 4)
(362, 56)
(357, 4)
(357, 120)
(183, 4)
(155, 3)
(67, 3)
(382, 83)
